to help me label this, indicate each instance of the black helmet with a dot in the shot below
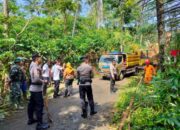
(82, 58)
(34, 56)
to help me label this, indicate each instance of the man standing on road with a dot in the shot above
(16, 79)
(36, 102)
(84, 75)
(46, 75)
(113, 75)
(56, 72)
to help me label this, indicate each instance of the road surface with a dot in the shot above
(66, 111)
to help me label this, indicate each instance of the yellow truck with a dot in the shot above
(126, 63)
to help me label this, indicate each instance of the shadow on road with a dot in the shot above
(66, 116)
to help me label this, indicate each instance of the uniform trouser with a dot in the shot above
(56, 87)
(15, 93)
(68, 85)
(45, 85)
(112, 84)
(147, 80)
(84, 91)
(24, 89)
(36, 105)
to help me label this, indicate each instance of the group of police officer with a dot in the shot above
(36, 103)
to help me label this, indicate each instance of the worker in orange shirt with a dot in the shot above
(149, 71)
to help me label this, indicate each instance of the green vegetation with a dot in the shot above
(57, 30)
(124, 99)
(156, 106)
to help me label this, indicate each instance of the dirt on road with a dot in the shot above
(66, 111)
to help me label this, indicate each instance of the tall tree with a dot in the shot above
(6, 16)
(97, 9)
(99, 13)
(78, 8)
(160, 28)
(65, 7)
(34, 7)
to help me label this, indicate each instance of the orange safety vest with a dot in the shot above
(149, 72)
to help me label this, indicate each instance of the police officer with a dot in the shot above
(36, 102)
(16, 79)
(113, 76)
(84, 75)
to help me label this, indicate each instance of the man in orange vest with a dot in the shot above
(149, 71)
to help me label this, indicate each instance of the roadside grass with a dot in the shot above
(125, 94)
(155, 106)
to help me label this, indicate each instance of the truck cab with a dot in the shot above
(126, 63)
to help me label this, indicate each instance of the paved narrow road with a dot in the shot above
(66, 111)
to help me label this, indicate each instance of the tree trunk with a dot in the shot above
(74, 24)
(100, 13)
(6, 16)
(160, 27)
(65, 23)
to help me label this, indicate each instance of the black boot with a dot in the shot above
(30, 122)
(42, 126)
(65, 93)
(84, 113)
(92, 111)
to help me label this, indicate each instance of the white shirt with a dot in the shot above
(56, 70)
(45, 70)
(113, 70)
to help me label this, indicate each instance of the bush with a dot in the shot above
(124, 99)
(143, 118)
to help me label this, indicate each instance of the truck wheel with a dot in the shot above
(136, 71)
(121, 76)
(103, 77)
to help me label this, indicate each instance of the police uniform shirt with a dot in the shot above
(35, 72)
(85, 71)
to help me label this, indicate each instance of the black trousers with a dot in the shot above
(56, 87)
(36, 105)
(86, 90)
(112, 83)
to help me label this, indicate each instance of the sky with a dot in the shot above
(85, 8)
(84, 11)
